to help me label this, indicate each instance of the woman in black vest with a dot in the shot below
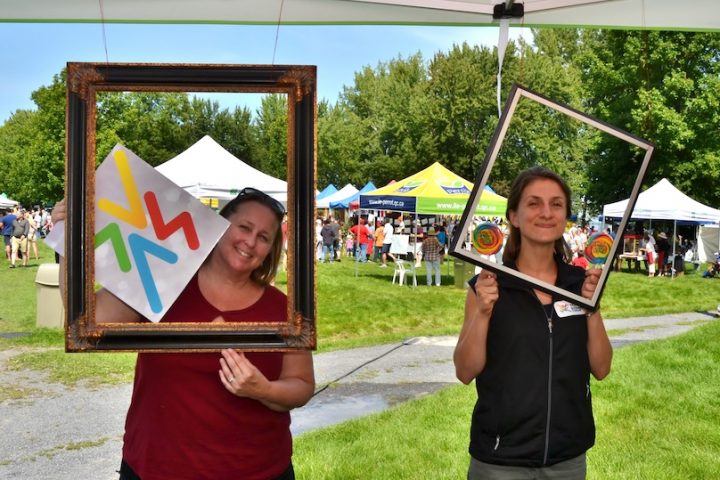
(531, 361)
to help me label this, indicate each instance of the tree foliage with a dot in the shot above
(661, 86)
(32, 161)
(271, 129)
(406, 113)
(463, 111)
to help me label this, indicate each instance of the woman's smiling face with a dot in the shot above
(541, 212)
(249, 239)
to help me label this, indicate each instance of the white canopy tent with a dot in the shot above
(663, 201)
(6, 202)
(207, 170)
(345, 192)
(653, 14)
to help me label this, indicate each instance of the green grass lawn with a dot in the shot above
(657, 417)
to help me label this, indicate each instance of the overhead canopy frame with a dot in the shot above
(696, 15)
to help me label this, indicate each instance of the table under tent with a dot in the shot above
(432, 191)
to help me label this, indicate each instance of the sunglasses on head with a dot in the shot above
(249, 193)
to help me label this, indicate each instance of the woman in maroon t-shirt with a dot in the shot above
(218, 415)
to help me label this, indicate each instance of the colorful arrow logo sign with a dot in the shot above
(151, 236)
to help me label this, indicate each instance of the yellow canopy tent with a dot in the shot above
(432, 191)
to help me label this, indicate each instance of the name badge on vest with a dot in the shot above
(567, 309)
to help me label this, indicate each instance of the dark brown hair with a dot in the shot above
(265, 273)
(525, 178)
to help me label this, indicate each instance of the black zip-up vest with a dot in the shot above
(534, 404)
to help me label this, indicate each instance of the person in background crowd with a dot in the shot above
(663, 253)
(337, 233)
(32, 235)
(19, 241)
(419, 231)
(530, 352)
(328, 241)
(370, 224)
(318, 238)
(442, 237)
(217, 415)
(7, 229)
(47, 228)
(648, 248)
(45, 222)
(580, 239)
(451, 230)
(379, 238)
(361, 235)
(349, 245)
(432, 253)
(388, 232)
(581, 261)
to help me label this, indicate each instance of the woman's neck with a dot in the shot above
(538, 262)
(224, 288)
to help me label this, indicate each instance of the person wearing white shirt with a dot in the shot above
(388, 232)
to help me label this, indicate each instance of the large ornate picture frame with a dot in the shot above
(553, 123)
(85, 332)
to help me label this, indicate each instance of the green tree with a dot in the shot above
(271, 128)
(339, 146)
(235, 132)
(32, 161)
(463, 108)
(463, 87)
(17, 136)
(390, 104)
(661, 86)
(545, 136)
(46, 154)
(155, 126)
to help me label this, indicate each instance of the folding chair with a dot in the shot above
(402, 268)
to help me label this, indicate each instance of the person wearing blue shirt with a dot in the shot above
(442, 236)
(7, 229)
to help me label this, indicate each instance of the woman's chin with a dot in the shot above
(243, 264)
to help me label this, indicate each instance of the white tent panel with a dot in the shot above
(655, 14)
(708, 243)
(663, 201)
(206, 169)
(6, 202)
(345, 192)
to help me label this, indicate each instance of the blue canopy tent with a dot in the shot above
(326, 192)
(345, 203)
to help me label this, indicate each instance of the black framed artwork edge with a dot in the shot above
(456, 248)
(83, 333)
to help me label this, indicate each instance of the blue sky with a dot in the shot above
(32, 53)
